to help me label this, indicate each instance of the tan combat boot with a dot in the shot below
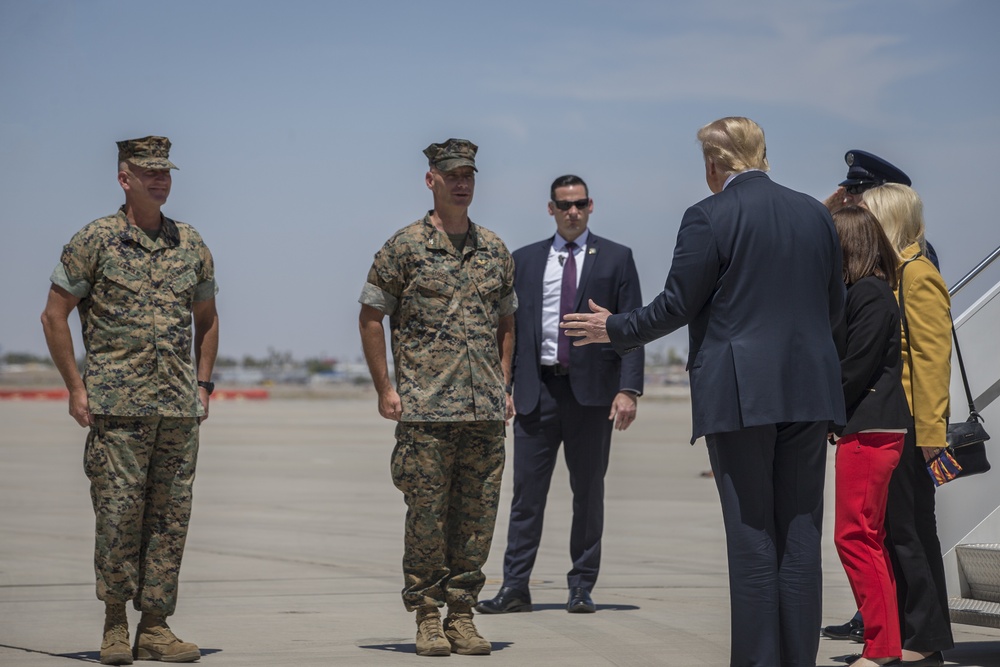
(155, 641)
(114, 647)
(462, 633)
(430, 635)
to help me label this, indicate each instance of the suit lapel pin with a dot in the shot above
(591, 251)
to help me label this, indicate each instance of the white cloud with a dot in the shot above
(772, 57)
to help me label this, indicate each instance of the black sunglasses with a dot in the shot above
(567, 205)
(859, 188)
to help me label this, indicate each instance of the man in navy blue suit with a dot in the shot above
(566, 395)
(756, 277)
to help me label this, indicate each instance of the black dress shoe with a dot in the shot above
(580, 602)
(843, 631)
(851, 659)
(858, 635)
(933, 660)
(507, 601)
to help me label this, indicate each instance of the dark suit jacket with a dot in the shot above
(868, 339)
(598, 372)
(756, 276)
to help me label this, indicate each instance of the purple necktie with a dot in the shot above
(567, 303)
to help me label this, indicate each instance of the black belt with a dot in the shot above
(556, 370)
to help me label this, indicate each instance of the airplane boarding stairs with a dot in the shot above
(968, 509)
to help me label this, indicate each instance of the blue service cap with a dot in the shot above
(864, 168)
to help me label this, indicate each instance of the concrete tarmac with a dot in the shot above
(294, 551)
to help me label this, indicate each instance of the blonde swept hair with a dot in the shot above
(735, 144)
(900, 212)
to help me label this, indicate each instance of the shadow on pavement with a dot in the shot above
(410, 647)
(600, 607)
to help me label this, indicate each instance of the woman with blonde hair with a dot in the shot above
(911, 527)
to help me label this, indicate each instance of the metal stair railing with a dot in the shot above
(967, 511)
(990, 393)
(971, 275)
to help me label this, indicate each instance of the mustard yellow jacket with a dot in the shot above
(927, 351)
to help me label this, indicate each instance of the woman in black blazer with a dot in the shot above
(869, 446)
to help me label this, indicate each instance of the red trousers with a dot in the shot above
(865, 462)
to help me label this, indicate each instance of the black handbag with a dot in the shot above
(966, 440)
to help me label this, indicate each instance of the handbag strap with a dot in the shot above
(965, 378)
(954, 334)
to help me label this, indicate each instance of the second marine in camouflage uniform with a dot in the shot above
(138, 280)
(448, 288)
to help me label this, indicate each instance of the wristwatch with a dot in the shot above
(209, 386)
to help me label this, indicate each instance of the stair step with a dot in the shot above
(980, 565)
(974, 612)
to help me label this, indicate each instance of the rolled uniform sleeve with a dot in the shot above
(508, 297)
(206, 288)
(79, 288)
(508, 305)
(384, 285)
(76, 271)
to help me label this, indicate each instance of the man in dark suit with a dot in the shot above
(756, 276)
(563, 394)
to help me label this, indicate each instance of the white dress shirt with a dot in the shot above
(734, 175)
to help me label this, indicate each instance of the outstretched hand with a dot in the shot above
(587, 327)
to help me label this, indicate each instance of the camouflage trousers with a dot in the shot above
(141, 470)
(449, 473)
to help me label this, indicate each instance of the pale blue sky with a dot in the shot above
(298, 127)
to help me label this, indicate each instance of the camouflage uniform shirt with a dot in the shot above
(135, 309)
(444, 307)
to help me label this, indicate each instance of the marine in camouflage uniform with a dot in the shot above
(447, 286)
(138, 280)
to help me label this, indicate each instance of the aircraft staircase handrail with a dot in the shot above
(968, 515)
(993, 392)
(971, 275)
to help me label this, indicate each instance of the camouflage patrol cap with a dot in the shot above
(452, 154)
(148, 152)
